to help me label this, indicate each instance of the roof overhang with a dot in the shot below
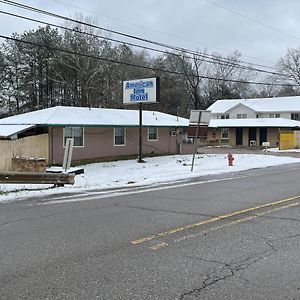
(259, 122)
(7, 130)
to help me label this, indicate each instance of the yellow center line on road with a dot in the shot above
(211, 220)
(235, 222)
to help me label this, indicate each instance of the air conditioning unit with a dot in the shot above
(252, 143)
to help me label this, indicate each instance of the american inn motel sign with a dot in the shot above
(138, 92)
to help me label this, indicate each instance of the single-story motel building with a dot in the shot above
(97, 133)
(107, 133)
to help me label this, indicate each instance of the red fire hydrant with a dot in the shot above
(230, 159)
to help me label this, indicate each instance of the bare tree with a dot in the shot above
(290, 64)
(194, 69)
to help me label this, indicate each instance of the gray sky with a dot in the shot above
(261, 30)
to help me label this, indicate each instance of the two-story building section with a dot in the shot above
(250, 122)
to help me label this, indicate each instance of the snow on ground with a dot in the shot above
(277, 150)
(155, 170)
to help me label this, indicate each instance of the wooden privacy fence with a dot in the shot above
(32, 146)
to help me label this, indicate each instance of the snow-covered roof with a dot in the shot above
(7, 131)
(222, 106)
(276, 104)
(94, 117)
(260, 122)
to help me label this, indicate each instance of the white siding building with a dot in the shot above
(246, 130)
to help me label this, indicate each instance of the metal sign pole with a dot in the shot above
(68, 154)
(196, 141)
(140, 160)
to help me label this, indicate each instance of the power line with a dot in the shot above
(253, 20)
(148, 28)
(174, 48)
(141, 66)
(204, 59)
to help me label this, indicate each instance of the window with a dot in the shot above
(225, 116)
(271, 116)
(224, 133)
(241, 116)
(119, 139)
(277, 115)
(295, 116)
(76, 133)
(152, 134)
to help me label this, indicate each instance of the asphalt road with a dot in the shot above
(233, 236)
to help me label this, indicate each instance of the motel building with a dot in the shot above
(250, 122)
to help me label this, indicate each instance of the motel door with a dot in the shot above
(239, 136)
(252, 134)
(263, 135)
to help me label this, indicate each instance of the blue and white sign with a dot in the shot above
(141, 91)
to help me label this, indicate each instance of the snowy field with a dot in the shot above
(155, 170)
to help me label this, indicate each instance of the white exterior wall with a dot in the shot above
(251, 114)
(282, 115)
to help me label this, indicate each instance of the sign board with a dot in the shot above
(200, 129)
(141, 91)
(204, 115)
(266, 144)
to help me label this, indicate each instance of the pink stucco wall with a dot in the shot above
(99, 142)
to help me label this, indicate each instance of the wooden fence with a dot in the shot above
(32, 146)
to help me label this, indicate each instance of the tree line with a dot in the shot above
(35, 74)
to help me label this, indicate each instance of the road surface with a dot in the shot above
(232, 236)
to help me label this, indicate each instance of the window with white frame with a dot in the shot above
(277, 115)
(225, 116)
(119, 136)
(76, 133)
(152, 134)
(241, 116)
(224, 133)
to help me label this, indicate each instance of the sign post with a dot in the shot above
(196, 140)
(198, 128)
(68, 154)
(138, 92)
(140, 160)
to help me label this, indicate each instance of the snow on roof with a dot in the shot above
(221, 106)
(260, 122)
(83, 116)
(276, 104)
(9, 130)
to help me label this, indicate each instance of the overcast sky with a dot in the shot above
(261, 30)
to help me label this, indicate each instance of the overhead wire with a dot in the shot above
(208, 60)
(142, 66)
(253, 20)
(80, 8)
(174, 48)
